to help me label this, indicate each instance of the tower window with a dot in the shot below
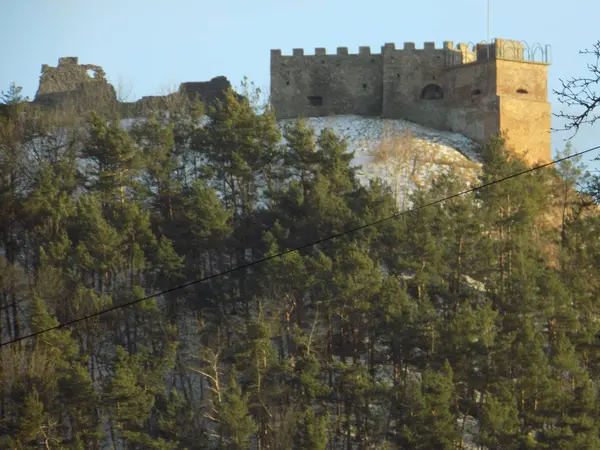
(315, 100)
(365, 86)
(476, 92)
(522, 91)
(432, 92)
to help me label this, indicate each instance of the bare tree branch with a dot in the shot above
(581, 94)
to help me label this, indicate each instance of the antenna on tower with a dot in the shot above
(488, 21)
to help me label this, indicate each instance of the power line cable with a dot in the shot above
(310, 244)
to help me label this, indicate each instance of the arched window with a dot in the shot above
(432, 92)
(522, 91)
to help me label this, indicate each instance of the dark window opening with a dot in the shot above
(322, 61)
(433, 78)
(398, 75)
(365, 86)
(432, 92)
(287, 82)
(476, 92)
(522, 91)
(315, 100)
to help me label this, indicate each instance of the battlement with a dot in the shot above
(461, 53)
(321, 51)
(449, 86)
(366, 50)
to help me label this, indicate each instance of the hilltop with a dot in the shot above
(403, 154)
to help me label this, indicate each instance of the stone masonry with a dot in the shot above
(84, 87)
(478, 91)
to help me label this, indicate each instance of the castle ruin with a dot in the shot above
(83, 84)
(84, 87)
(477, 91)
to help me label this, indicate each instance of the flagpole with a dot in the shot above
(488, 22)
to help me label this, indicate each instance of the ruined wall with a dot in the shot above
(84, 87)
(81, 85)
(324, 84)
(206, 91)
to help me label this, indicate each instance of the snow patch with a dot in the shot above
(400, 153)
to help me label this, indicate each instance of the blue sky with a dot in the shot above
(150, 46)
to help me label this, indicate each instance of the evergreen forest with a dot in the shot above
(468, 323)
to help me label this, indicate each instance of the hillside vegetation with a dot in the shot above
(471, 322)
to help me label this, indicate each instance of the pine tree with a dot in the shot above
(426, 419)
(235, 423)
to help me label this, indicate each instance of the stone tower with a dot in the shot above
(479, 90)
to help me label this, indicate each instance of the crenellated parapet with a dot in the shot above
(366, 50)
(472, 88)
(321, 51)
(461, 53)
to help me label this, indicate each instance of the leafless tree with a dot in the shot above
(581, 94)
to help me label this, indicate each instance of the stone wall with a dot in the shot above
(407, 73)
(206, 91)
(323, 84)
(522, 78)
(84, 87)
(472, 104)
(524, 111)
(448, 88)
(526, 124)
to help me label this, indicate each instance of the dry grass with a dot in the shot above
(406, 160)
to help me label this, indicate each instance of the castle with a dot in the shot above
(476, 90)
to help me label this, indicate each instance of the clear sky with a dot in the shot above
(150, 46)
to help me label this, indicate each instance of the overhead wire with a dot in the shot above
(295, 249)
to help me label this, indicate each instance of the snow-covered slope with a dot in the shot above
(403, 154)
